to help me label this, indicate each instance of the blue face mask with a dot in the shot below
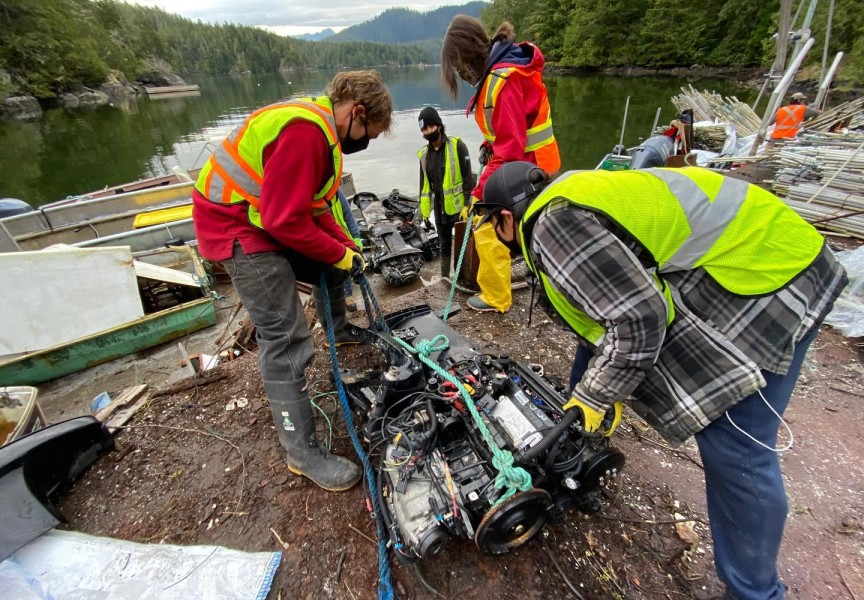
(351, 145)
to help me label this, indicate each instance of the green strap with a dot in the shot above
(509, 477)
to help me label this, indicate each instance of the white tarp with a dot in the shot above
(65, 565)
(848, 313)
(53, 297)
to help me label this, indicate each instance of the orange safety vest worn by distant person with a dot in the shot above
(788, 122)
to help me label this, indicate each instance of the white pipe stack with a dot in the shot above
(805, 165)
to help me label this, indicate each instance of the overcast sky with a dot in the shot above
(289, 17)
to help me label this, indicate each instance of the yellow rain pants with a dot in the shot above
(493, 274)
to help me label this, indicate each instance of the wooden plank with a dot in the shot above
(96, 349)
(124, 415)
(150, 271)
(126, 397)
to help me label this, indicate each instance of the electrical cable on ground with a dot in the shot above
(557, 565)
(426, 584)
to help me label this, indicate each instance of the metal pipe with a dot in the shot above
(804, 32)
(826, 81)
(656, 120)
(827, 40)
(783, 29)
(624, 123)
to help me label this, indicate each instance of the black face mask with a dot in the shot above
(350, 145)
(433, 137)
(513, 245)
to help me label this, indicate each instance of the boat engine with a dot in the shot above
(436, 475)
(397, 246)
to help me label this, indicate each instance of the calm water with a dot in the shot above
(72, 152)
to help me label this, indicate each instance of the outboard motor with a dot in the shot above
(653, 152)
(388, 252)
(13, 206)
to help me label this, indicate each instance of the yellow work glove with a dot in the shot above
(352, 262)
(595, 420)
(463, 215)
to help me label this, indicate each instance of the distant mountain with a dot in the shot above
(406, 26)
(315, 37)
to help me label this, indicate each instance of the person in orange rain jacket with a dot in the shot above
(512, 110)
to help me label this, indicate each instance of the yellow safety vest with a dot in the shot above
(452, 185)
(235, 171)
(746, 239)
(339, 215)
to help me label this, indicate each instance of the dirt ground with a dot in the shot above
(205, 467)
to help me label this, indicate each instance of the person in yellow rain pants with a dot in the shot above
(511, 108)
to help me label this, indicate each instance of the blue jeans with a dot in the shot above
(349, 286)
(747, 502)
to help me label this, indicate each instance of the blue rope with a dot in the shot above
(468, 231)
(509, 478)
(376, 322)
(385, 588)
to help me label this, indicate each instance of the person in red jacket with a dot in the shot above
(511, 108)
(261, 208)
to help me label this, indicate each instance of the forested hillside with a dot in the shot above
(51, 46)
(48, 47)
(403, 25)
(670, 33)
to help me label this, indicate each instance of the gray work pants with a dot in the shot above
(267, 285)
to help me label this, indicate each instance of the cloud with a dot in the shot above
(274, 14)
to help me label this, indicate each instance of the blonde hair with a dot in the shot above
(366, 88)
(467, 47)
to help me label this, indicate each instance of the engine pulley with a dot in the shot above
(513, 522)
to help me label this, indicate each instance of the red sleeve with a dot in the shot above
(327, 222)
(511, 135)
(295, 167)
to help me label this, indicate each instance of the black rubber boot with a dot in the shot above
(295, 426)
(339, 312)
(445, 267)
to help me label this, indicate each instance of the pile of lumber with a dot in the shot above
(821, 176)
(852, 111)
(711, 106)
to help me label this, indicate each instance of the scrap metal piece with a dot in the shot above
(37, 465)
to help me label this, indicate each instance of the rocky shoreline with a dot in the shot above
(115, 90)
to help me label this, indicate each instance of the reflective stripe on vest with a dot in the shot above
(540, 137)
(708, 219)
(235, 171)
(452, 184)
(339, 215)
(745, 238)
(788, 122)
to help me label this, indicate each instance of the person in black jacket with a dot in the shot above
(446, 181)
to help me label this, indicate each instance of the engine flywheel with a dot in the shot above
(513, 522)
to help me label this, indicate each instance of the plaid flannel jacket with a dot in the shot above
(681, 377)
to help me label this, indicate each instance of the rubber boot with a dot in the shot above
(339, 311)
(295, 426)
(445, 267)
